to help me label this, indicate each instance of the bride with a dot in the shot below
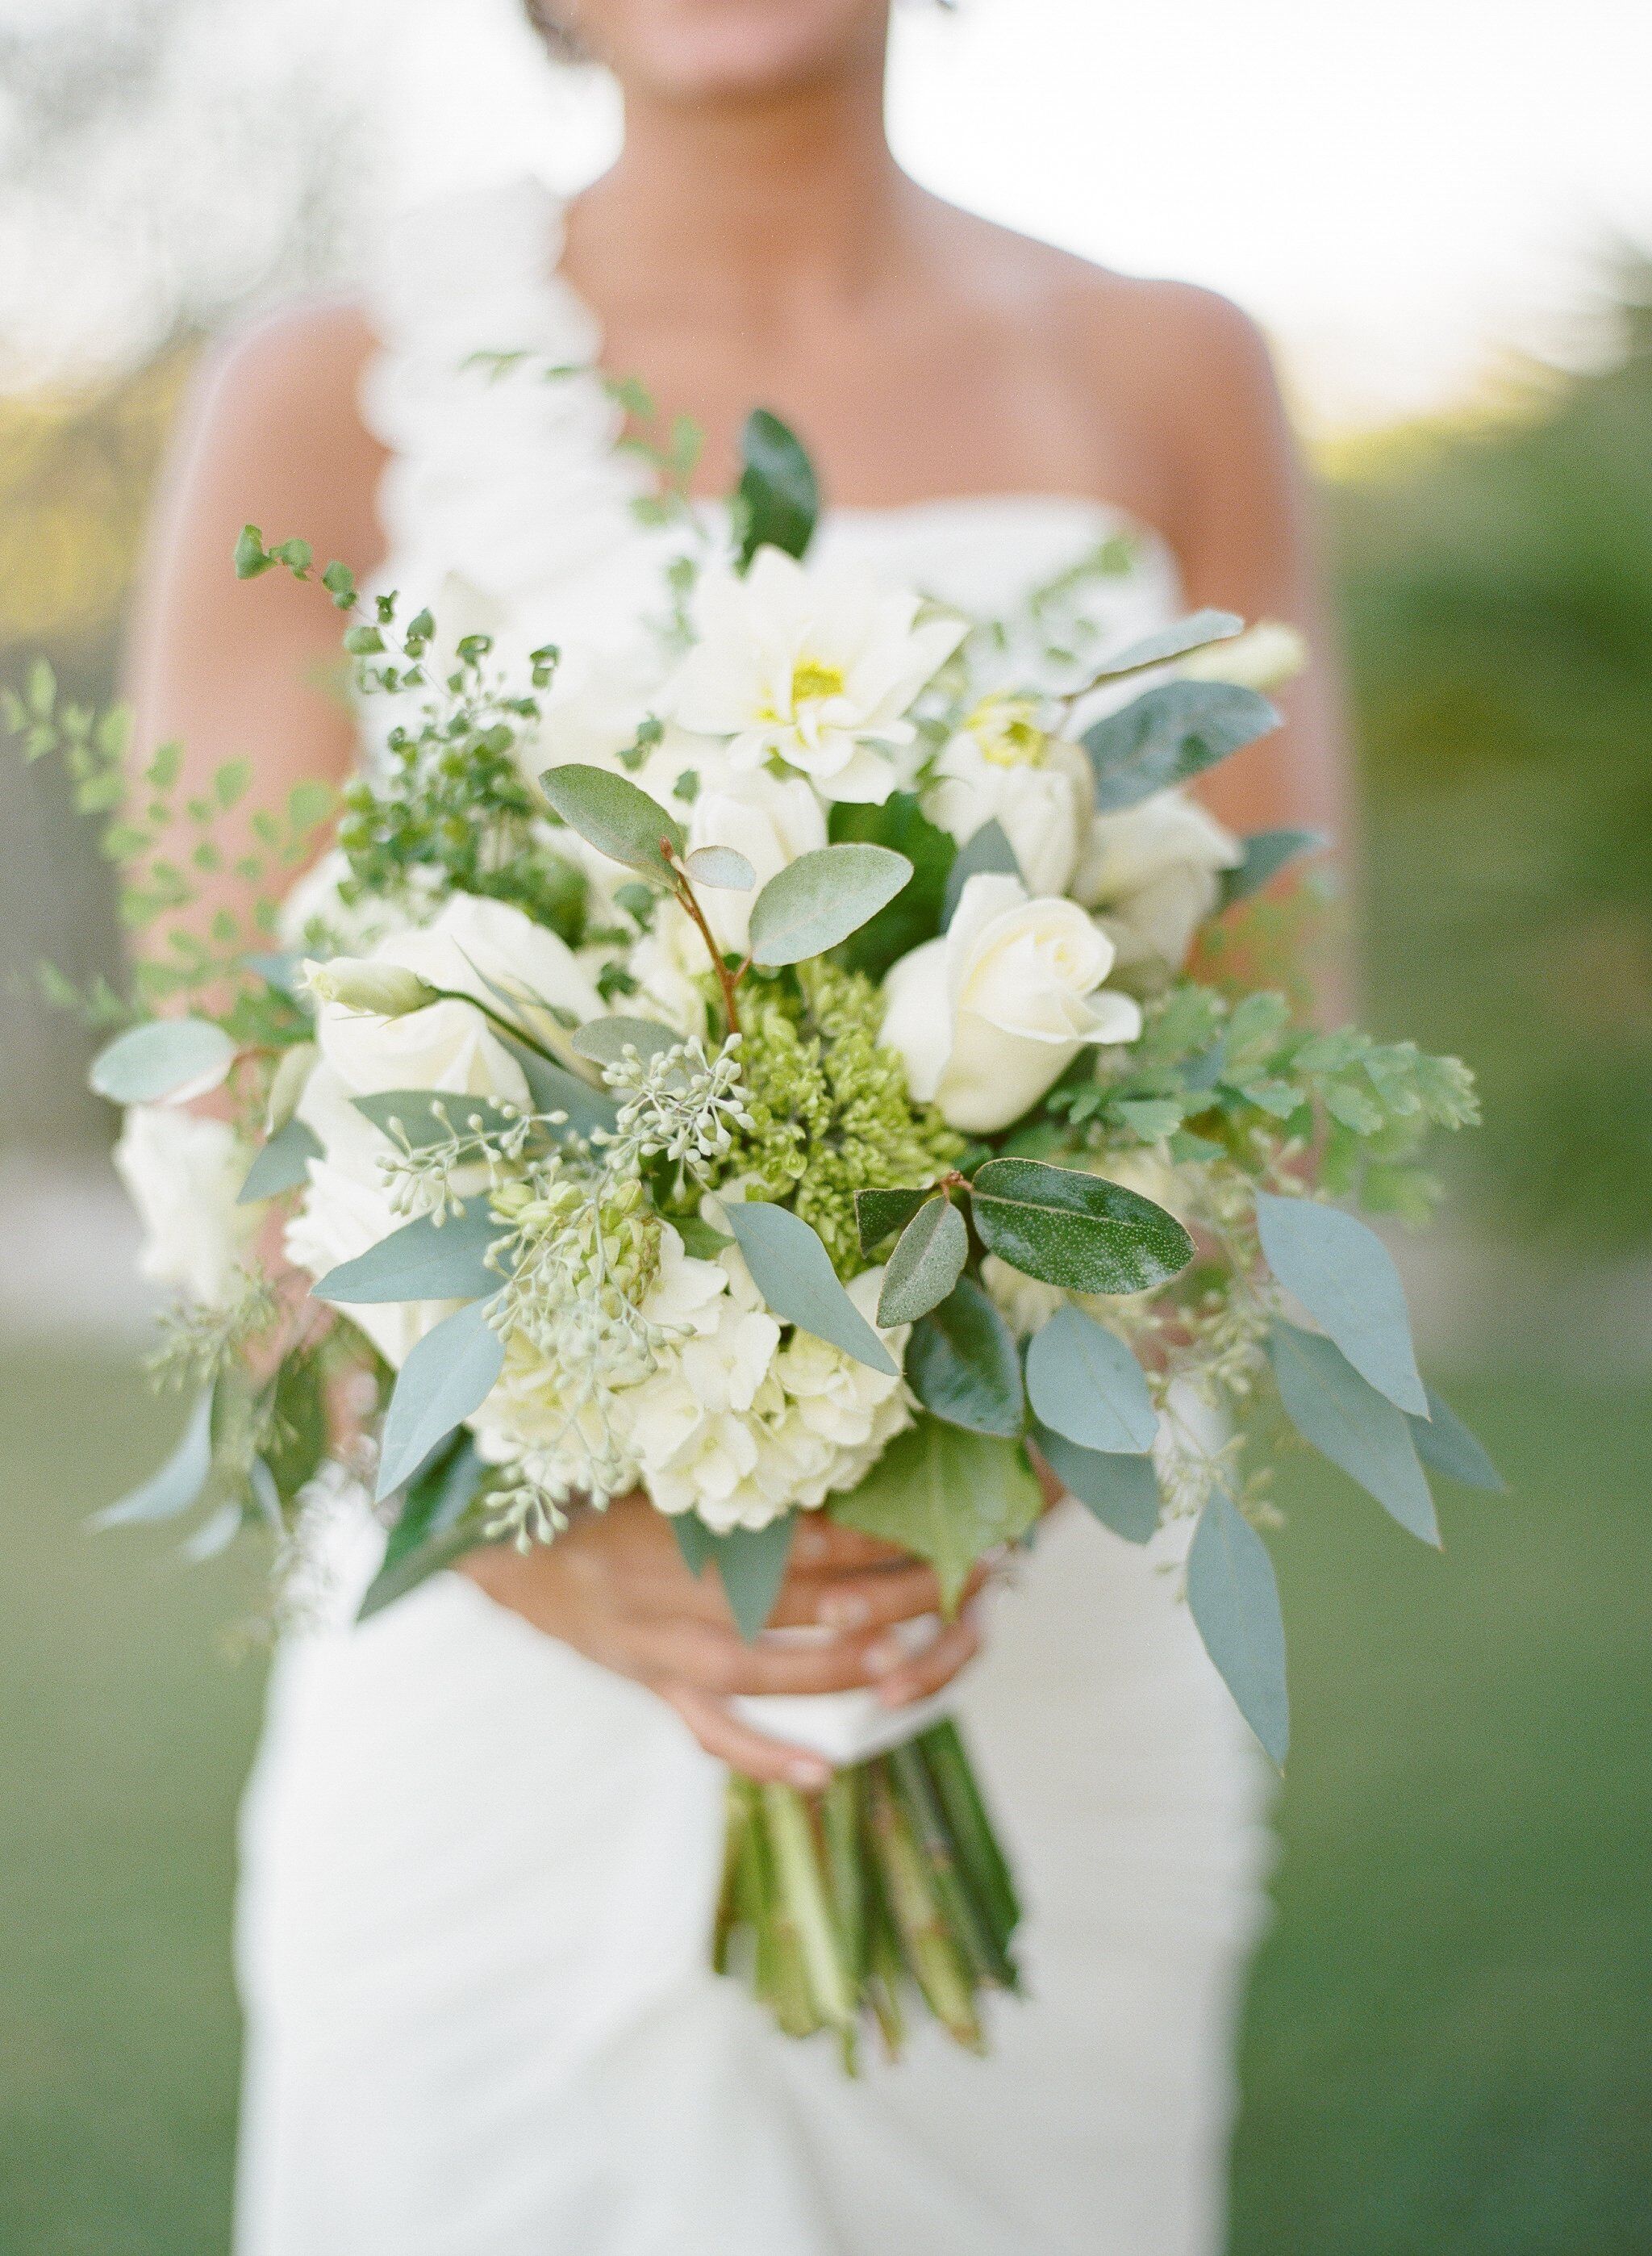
(481, 1839)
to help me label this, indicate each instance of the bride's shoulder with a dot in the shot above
(272, 420)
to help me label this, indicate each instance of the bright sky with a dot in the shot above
(1398, 189)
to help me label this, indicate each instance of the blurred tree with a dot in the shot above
(1498, 595)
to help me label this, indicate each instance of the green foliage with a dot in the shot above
(620, 819)
(947, 1494)
(817, 902)
(1086, 1385)
(963, 1366)
(793, 1271)
(1169, 736)
(448, 1375)
(1119, 1490)
(926, 1263)
(1233, 1599)
(832, 1115)
(918, 913)
(1345, 1418)
(1075, 1230)
(777, 500)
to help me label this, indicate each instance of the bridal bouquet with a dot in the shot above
(801, 1104)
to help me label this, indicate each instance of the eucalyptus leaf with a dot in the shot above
(618, 819)
(879, 1213)
(179, 1482)
(214, 1535)
(987, 853)
(280, 969)
(1076, 1230)
(420, 1117)
(694, 1540)
(1085, 1384)
(1121, 1491)
(424, 1538)
(751, 1563)
(722, 868)
(778, 499)
(1170, 734)
(449, 1374)
(962, 1364)
(927, 1262)
(1267, 852)
(793, 1271)
(1197, 631)
(282, 1164)
(946, 1495)
(552, 1087)
(1344, 1276)
(817, 901)
(1233, 1597)
(605, 1041)
(162, 1058)
(425, 1259)
(1348, 1421)
(917, 912)
(1444, 1442)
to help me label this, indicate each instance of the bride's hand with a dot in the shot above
(615, 1587)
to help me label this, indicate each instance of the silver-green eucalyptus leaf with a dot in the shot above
(793, 1271)
(1233, 1597)
(283, 1163)
(751, 1565)
(179, 1482)
(721, 867)
(1445, 1442)
(817, 901)
(927, 1262)
(162, 1057)
(1197, 631)
(1121, 1491)
(425, 1259)
(1266, 853)
(1170, 734)
(1084, 1382)
(619, 819)
(605, 1041)
(448, 1377)
(1344, 1276)
(1345, 1418)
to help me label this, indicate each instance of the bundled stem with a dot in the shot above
(839, 1908)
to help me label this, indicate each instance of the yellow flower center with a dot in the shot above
(811, 680)
(1007, 730)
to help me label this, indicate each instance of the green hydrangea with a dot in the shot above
(830, 1112)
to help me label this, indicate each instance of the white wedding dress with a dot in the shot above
(478, 1870)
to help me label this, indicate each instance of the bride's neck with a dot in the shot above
(748, 203)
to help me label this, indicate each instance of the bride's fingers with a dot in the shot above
(716, 1660)
(891, 1594)
(723, 1735)
(937, 1665)
(820, 1547)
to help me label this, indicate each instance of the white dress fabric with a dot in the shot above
(478, 1870)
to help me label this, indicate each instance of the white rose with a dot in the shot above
(990, 1014)
(183, 1175)
(769, 820)
(1002, 767)
(819, 669)
(1264, 657)
(1151, 874)
(451, 1044)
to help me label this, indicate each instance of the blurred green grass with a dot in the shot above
(1446, 2045)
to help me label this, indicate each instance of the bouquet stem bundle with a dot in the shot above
(838, 1907)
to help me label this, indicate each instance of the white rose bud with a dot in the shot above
(1152, 875)
(989, 1015)
(1265, 657)
(359, 982)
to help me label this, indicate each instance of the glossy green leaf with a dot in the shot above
(1233, 1599)
(1267, 852)
(605, 1041)
(424, 1539)
(618, 819)
(1170, 734)
(962, 1364)
(1197, 631)
(282, 1164)
(424, 1260)
(751, 1564)
(946, 1495)
(878, 1214)
(793, 1271)
(1344, 1276)
(448, 1375)
(1348, 1421)
(1444, 1442)
(162, 1058)
(1085, 1384)
(927, 1262)
(777, 500)
(296, 1440)
(988, 853)
(179, 1482)
(1077, 1231)
(817, 901)
(1121, 1491)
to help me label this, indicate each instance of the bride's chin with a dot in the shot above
(722, 50)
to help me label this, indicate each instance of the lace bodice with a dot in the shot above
(508, 509)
